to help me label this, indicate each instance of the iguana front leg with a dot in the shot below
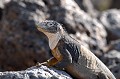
(54, 60)
(50, 62)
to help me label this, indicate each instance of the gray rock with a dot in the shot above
(114, 45)
(87, 6)
(21, 45)
(116, 70)
(35, 73)
(111, 20)
(94, 30)
(112, 60)
(3, 2)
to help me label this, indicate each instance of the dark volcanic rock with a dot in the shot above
(112, 60)
(87, 6)
(111, 20)
(115, 4)
(2, 4)
(21, 45)
(95, 32)
(114, 45)
(35, 73)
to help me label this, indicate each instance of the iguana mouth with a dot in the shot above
(41, 27)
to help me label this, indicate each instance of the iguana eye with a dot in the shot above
(50, 24)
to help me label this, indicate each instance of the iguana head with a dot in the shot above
(52, 29)
(49, 26)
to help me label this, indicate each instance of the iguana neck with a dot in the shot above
(53, 39)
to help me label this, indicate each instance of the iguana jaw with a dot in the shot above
(53, 32)
(52, 37)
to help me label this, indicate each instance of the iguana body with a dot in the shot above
(71, 55)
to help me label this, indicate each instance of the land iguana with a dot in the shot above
(69, 54)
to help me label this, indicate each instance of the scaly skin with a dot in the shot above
(71, 55)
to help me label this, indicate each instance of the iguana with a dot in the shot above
(69, 54)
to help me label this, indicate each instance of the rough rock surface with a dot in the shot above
(35, 73)
(114, 45)
(83, 4)
(112, 57)
(111, 20)
(112, 60)
(21, 45)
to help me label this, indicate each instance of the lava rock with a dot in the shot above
(112, 60)
(21, 45)
(35, 73)
(114, 45)
(111, 20)
(93, 29)
(87, 6)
